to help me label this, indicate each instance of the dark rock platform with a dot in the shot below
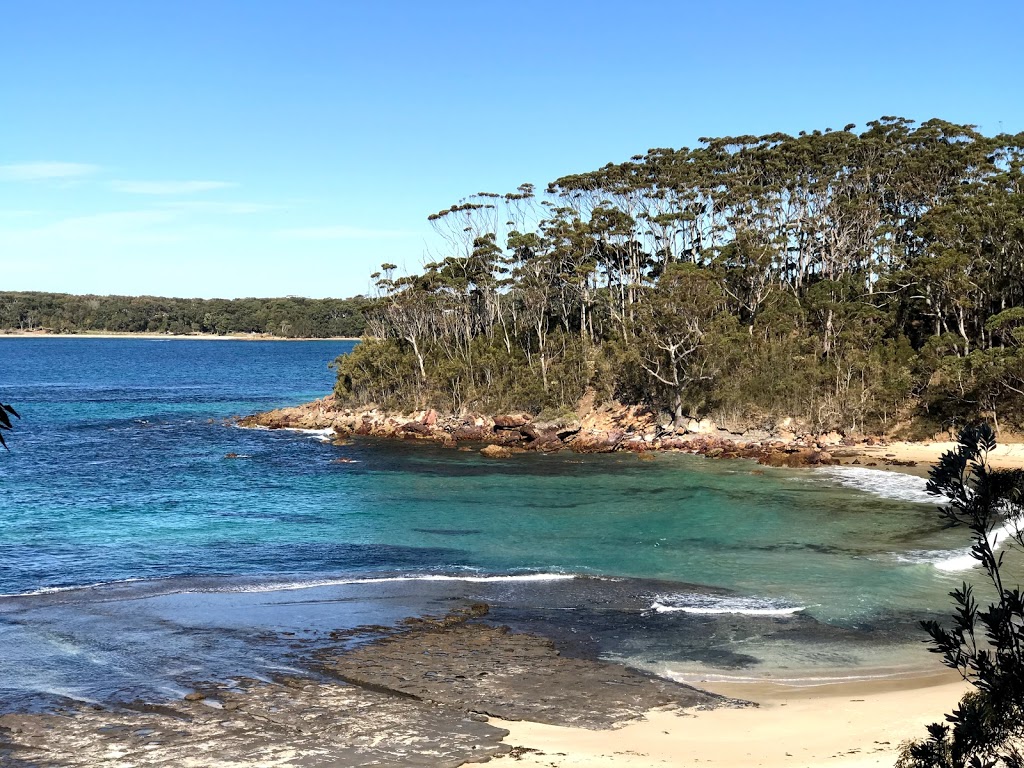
(418, 696)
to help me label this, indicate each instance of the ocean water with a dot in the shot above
(136, 558)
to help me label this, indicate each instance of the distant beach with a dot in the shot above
(167, 336)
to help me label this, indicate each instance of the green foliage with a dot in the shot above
(861, 282)
(288, 317)
(985, 645)
(384, 372)
(377, 371)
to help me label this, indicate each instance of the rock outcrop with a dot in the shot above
(495, 451)
(594, 428)
(419, 695)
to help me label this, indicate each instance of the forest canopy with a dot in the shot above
(857, 280)
(290, 317)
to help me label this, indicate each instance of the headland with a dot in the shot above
(612, 427)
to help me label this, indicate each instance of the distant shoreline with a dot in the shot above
(168, 336)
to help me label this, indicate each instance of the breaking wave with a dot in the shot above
(724, 604)
(953, 560)
(889, 485)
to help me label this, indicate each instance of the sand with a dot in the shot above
(848, 725)
(1005, 456)
(165, 336)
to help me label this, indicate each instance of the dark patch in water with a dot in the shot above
(424, 458)
(449, 531)
(550, 505)
(724, 659)
(281, 517)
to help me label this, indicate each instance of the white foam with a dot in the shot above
(72, 588)
(323, 435)
(721, 604)
(696, 677)
(935, 557)
(889, 485)
(962, 559)
(313, 583)
(956, 563)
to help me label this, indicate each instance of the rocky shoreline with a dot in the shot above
(420, 694)
(594, 429)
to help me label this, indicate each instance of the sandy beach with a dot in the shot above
(849, 724)
(1008, 455)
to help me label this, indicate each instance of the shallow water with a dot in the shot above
(118, 476)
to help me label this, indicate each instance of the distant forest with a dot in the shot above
(865, 280)
(288, 317)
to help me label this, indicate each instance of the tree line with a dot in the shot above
(290, 317)
(860, 281)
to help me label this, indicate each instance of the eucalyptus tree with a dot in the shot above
(847, 277)
(405, 310)
(680, 317)
(535, 275)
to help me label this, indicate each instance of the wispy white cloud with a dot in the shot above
(218, 207)
(43, 171)
(168, 187)
(342, 232)
(113, 219)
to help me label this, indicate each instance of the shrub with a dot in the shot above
(985, 645)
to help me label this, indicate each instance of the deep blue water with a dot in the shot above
(118, 475)
(118, 470)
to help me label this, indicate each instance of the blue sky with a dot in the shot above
(244, 148)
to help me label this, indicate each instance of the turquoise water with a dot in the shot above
(118, 476)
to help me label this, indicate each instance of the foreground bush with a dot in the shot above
(985, 645)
